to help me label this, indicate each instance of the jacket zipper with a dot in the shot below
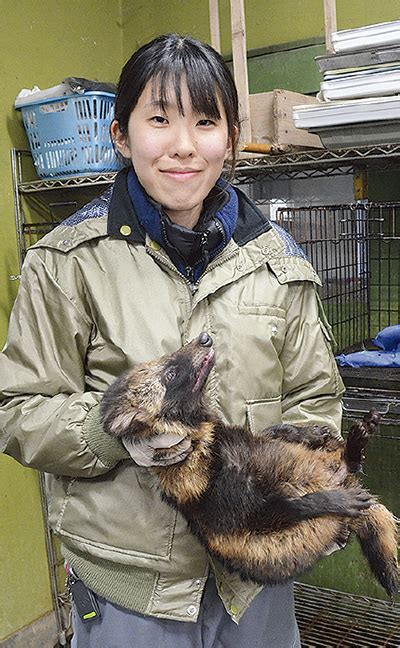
(195, 285)
(168, 264)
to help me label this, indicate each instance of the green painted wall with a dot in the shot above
(384, 186)
(269, 22)
(40, 44)
(273, 28)
(25, 590)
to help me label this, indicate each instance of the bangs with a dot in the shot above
(200, 81)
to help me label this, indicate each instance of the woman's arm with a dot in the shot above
(48, 419)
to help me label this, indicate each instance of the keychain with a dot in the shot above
(84, 600)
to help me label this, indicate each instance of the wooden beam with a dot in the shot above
(239, 55)
(214, 25)
(330, 23)
(265, 149)
(360, 181)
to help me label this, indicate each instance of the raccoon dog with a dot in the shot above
(268, 506)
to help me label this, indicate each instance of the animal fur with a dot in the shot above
(268, 506)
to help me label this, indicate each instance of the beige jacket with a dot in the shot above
(89, 306)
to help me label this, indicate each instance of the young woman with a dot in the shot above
(171, 250)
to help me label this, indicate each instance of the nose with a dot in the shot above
(205, 339)
(182, 143)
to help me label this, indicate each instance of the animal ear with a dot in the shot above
(130, 421)
(175, 428)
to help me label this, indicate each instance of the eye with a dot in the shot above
(170, 375)
(206, 122)
(159, 119)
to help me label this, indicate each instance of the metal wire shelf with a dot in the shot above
(332, 619)
(65, 183)
(296, 163)
(309, 157)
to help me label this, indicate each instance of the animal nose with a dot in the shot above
(205, 339)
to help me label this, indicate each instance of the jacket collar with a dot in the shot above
(124, 223)
(190, 249)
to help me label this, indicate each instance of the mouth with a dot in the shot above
(204, 370)
(181, 175)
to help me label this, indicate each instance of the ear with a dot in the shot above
(131, 421)
(232, 142)
(172, 428)
(120, 140)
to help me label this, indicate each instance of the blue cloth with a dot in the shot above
(150, 219)
(389, 338)
(387, 354)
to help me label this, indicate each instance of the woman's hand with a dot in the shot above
(161, 450)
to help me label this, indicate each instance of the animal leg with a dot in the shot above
(377, 534)
(279, 513)
(313, 437)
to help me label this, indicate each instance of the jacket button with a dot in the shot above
(155, 246)
(125, 230)
(192, 609)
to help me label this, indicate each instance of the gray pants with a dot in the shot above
(268, 623)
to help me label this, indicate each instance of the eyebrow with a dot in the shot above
(157, 103)
(164, 105)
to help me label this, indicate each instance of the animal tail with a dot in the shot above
(377, 534)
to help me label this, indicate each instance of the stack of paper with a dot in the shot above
(365, 67)
(380, 35)
(356, 71)
(375, 81)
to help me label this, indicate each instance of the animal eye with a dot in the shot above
(170, 375)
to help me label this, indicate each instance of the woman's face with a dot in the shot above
(178, 158)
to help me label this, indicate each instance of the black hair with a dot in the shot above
(165, 60)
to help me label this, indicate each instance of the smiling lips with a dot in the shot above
(181, 174)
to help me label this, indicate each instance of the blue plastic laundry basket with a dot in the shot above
(70, 135)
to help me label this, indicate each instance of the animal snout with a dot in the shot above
(205, 340)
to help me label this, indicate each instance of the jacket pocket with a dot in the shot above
(261, 309)
(262, 413)
(121, 511)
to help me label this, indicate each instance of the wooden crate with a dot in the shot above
(272, 121)
(266, 118)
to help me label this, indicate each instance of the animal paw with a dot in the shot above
(357, 440)
(372, 420)
(355, 500)
(358, 435)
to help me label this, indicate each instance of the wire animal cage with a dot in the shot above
(356, 251)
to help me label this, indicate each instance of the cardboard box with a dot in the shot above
(272, 121)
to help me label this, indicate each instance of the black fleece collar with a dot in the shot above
(124, 224)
